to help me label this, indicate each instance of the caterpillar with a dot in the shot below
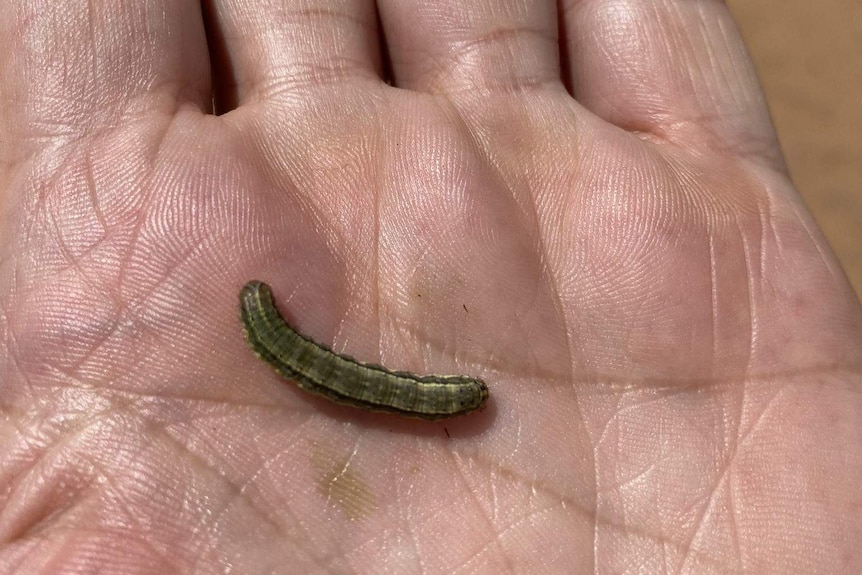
(342, 379)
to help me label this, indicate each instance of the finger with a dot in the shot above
(278, 47)
(453, 46)
(676, 69)
(75, 65)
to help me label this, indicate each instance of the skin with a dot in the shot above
(582, 203)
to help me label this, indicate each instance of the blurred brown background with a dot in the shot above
(809, 57)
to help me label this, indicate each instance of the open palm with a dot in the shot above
(609, 239)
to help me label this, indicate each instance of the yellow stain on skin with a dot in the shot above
(341, 485)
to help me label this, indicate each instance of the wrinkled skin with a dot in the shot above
(583, 203)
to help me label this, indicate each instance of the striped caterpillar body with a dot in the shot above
(341, 378)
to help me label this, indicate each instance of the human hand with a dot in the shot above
(673, 353)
